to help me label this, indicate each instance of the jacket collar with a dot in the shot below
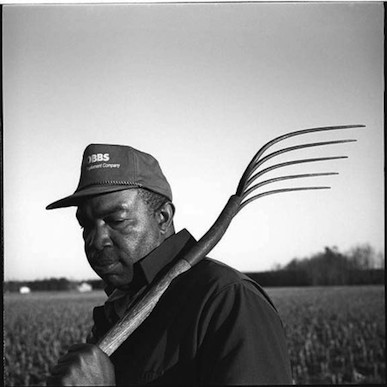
(150, 266)
(172, 248)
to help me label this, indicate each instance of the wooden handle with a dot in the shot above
(130, 321)
(134, 317)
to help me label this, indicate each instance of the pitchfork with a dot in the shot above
(136, 315)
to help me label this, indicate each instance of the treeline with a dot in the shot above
(304, 278)
(359, 266)
(50, 284)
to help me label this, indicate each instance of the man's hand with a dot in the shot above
(84, 364)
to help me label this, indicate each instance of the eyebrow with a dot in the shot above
(107, 211)
(119, 207)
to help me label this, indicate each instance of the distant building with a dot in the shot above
(24, 290)
(84, 287)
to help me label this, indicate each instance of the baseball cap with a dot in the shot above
(108, 168)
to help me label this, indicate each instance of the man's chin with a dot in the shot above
(116, 281)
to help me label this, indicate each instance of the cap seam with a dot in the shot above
(111, 182)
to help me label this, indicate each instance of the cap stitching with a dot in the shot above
(113, 182)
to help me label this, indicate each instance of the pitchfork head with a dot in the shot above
(253, 170)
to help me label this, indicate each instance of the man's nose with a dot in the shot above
(98, 238)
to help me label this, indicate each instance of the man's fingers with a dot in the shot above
(74, 352)
(83, 364)
(69, 357)
(78, 347)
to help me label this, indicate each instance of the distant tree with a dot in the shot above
(97, 284)
(297, 264)
(276, 267)
(328, 267)
(363, 257)
(51, 284)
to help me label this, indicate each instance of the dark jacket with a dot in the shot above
(213, 325)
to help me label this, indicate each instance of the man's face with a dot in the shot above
(118, 230)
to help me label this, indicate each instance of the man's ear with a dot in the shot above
(165, 217)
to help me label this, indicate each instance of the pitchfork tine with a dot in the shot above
(287, 163)
(275, 191)
(248, 171)
(282, 178)
(257, 163)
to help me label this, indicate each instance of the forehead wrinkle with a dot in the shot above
(108, 204)
(102, 211)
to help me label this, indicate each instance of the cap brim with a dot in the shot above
(77, 197)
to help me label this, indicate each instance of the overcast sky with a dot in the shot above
(201, 87)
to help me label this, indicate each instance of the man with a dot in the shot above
(213, 325)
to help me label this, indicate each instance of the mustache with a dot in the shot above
(102, 258)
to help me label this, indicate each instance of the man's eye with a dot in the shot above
(116, 222)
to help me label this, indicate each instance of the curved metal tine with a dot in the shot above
(287, 163)
(275, 191)
(282, 178)
(293, 148)
(240, 187)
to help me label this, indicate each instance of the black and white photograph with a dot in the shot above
(193, 193)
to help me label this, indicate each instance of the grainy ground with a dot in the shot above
(335, 334)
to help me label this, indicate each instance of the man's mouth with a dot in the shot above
(103, 263)
(105, 268)
(101, 258)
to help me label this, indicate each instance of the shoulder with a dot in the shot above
(210, 278)
(217, 275)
